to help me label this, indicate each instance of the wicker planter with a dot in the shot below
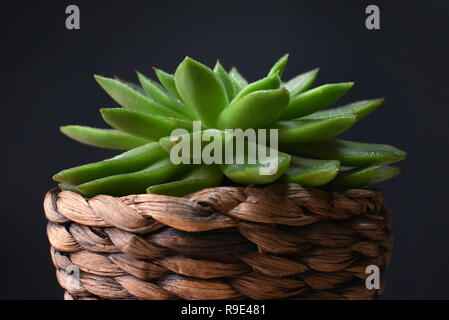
(279, 242)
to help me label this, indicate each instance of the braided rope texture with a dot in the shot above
(277, 242)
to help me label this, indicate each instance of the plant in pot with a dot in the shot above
(151, 224)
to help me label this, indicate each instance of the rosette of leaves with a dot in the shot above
(309, 153)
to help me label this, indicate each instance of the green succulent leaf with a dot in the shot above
(135, 182)
(271, 82)
(349, 153)
(132, 85)
(359, 108)
(237, 79)
(225, 79)
(143, 125)
(254, 110)
(305, 130)
(103, 138)
(198, 178)
(155, 92)
(353, 178)
(133, 100)
(385, 173)
(279, 66)
(315, 99)
(132, 160)
(310, 172)
(168, 81)
(201, 89)
(247, 173)
(301, 82)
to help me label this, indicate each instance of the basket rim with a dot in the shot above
(213, 208)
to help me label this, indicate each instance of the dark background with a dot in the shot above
(46, 81)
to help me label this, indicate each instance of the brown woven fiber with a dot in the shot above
(277, 242)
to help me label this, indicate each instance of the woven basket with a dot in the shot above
(279, 242)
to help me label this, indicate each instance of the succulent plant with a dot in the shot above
(308, 154)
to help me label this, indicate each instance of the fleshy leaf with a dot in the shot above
(247, 173)
(279, 66)
(225, 79)
(155, 92)
(133, 100)
(195, 142)
(385, 173)
(301, 82)
(315, 99)
(141, 124)
(132, 85)
(271, 82)
(238, 79)
(353, 178)
(235, 84)
(103, 138)
(349, 153)
(254, 110)
(135, 182)
(201, 89)
(310, 172)
(304, 130)
(359, 108)
(199, 178)
(132, 160)
(168, 81)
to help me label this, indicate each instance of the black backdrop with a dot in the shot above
(46, 81)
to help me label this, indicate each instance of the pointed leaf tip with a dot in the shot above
(279, 65)
(224, 77)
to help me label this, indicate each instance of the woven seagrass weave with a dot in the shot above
(277, 242)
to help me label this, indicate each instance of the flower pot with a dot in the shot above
(277, 242)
